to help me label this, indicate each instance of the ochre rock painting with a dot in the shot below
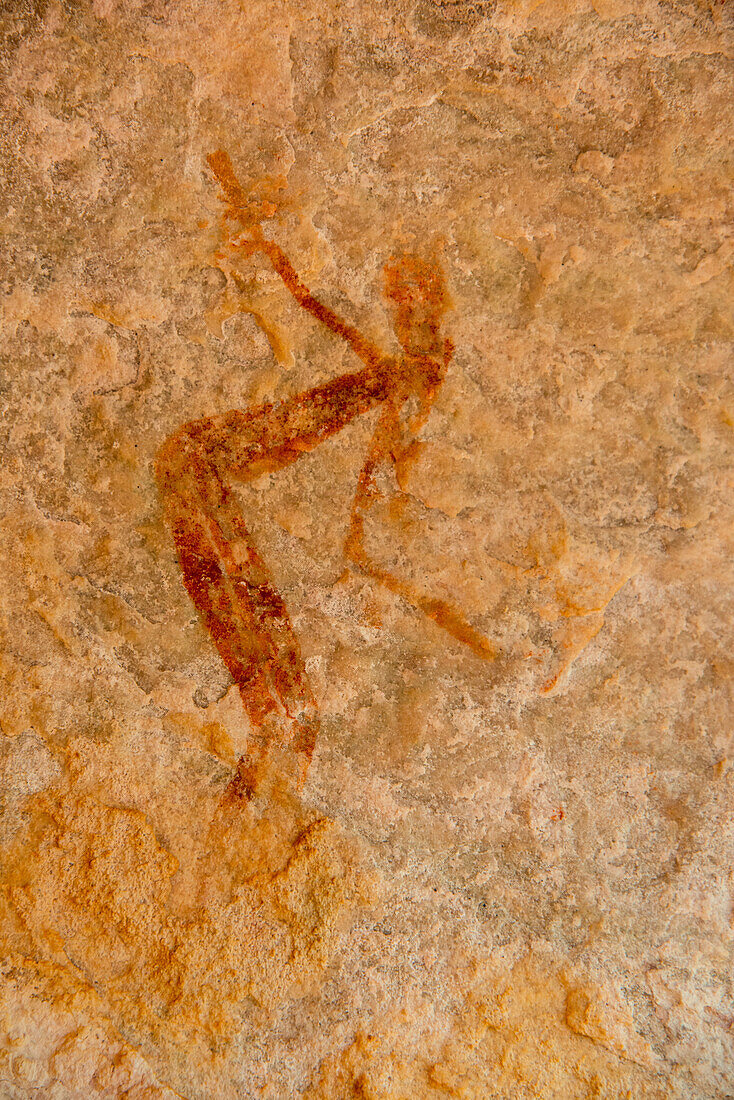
(222, 569)
(225, 575)
(366, 587)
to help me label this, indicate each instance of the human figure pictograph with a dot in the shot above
(223, 572)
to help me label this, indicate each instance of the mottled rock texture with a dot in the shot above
(508, 873)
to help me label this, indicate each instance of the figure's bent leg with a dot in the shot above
(246, 443)
(230, 588)
(223, 573)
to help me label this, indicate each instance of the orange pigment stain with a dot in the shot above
(222, 570)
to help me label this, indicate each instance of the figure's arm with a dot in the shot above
(248, 215)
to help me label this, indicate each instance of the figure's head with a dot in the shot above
(417, 289)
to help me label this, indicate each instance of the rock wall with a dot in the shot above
(367, 521)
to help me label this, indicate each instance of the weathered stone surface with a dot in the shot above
(508, 870)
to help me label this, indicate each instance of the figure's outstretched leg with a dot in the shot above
(385, 446)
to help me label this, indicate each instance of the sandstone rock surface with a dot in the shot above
(420, 784)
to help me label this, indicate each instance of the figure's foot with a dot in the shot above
(244, 783)
(281, 750)
(303, 742)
